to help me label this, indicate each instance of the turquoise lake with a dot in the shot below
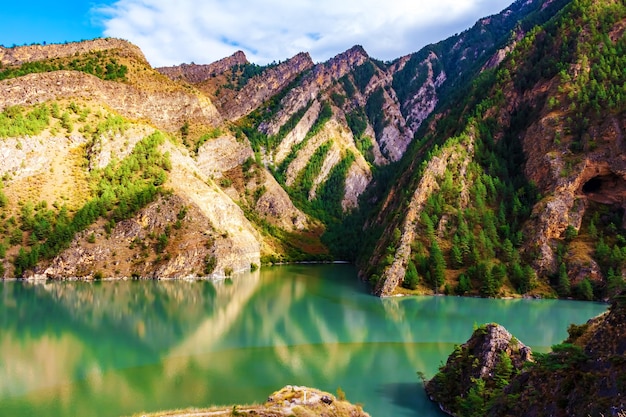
(122, 347)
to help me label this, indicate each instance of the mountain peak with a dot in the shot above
(194, 73)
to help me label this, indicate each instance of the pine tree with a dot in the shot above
(456, 254)
(507, 250)
(411, 278)
(464, 285)
(437, 265)
(428, 225)
(585, 289)
(488, 288)
(564, 284)
(503, 370)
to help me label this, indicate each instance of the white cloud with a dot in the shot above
(172, 32)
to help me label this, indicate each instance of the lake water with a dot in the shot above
(118, 348)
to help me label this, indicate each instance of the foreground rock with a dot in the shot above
(477, 369)
(490, 374)
(289, 401)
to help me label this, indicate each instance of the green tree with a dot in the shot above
(457, 256)
(411, 278)
(428, 225)
(508, 250)
(489, 287)
(464, 285)
(570, 232)
(503, 370)
(564, 283)
(437, 265)
(585, 290)
(615, 282)
(474, 404)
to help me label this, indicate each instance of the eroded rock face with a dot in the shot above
(261, 88)
(194, 73)
(21, 54)
(129, 249)
(167, 110)
(422, 104)
(570, 182)
(298, 133)
(221, 154)
(276, 206)
(320, 78)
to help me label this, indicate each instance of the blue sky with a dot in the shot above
(25, 22)
(171, 32)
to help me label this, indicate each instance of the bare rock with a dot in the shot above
(476, 359)
(194, 74)
(320, 78)
(21, 54)
(262, 87)
(166, 109)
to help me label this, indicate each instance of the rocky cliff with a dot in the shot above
(545, 156)
(195, 74)
(167, 110)
(476, 369)
(582, 376)
(33, 53)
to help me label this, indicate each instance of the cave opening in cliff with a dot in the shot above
(593, 185)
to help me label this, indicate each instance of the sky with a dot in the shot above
(171, 32)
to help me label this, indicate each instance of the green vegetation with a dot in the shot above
(374, 111)
(324, 116)
(211, 134)
(330, 194)
(249, 125)
(357, 121)
(363, 74)
(242, 73)
(120, 190)
(100, 64)
(304, 182)
(290, 124)
(15, 121)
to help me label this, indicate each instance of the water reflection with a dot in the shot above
(116, 348)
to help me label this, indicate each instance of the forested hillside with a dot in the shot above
(507, 191)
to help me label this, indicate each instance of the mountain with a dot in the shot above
(507, 189)
(489, 163)
(493, 374)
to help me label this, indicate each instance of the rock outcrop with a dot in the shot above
(260, 88)
(320, 78)
(570, 182)
(289, 401)
(581, 377)
(167, 110)
(194, 73)
(491, 355)
(22, 54)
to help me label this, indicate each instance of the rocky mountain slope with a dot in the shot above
(507, 190)
(493, 373)
(482, 164)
